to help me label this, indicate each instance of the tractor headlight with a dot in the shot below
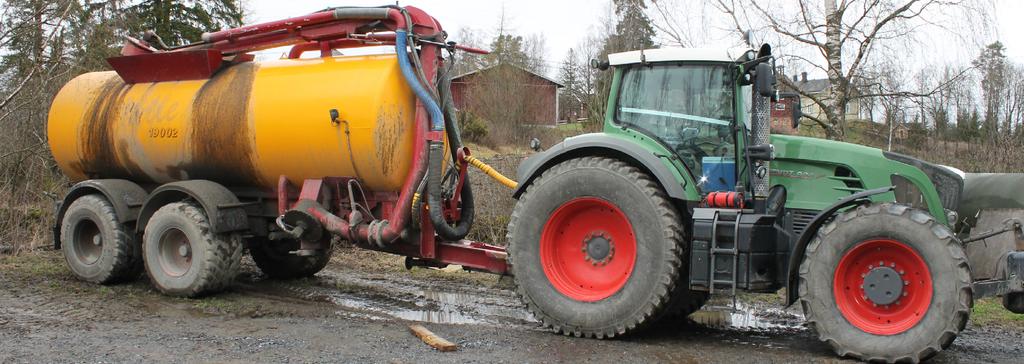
(948, 184)
(952, 217)
(907, 193)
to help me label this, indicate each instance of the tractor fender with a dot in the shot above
(796, 255)
(222, 207)
(125, 196)
(603, 145)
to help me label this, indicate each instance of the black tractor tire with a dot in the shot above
(274, 261)
(183, 257)
(657, 232)
(910, 232)
(684, 302)
(97, 247)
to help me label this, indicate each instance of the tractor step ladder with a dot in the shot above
(718, 251)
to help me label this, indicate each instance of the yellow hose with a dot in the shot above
(508, 182)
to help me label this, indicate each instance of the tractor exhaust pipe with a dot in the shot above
(760, 151)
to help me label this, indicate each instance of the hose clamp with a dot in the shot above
(375, 233)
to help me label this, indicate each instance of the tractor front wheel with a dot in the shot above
(595, 247)
(886, 283)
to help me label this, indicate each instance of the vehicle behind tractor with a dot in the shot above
(187, 156)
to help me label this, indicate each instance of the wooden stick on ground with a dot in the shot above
(432, 339)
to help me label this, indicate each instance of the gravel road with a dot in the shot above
(359, 309)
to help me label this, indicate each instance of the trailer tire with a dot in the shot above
(97, 247)
(851, 302)
(1014, 302)
(627, 259)
(274, 261)
(183, 256)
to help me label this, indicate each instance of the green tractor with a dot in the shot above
(686, 194)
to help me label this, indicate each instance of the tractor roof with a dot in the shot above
(678, 54)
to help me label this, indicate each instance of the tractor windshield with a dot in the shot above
(688, 106)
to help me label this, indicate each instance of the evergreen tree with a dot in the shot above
(570, 99)
(634, 30)
(992, 65)
(184, 21)
(967, 125)
(507, 49)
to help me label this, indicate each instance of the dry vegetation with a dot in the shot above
(494, 201)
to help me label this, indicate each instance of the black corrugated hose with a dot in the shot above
(435, 175)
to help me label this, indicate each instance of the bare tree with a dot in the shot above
(684, 23)
(535, 46)
(40, 42)
(840, 36)
(466, 62)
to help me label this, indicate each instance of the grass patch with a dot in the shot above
(990, 312)
(41, 265)
(571, 127)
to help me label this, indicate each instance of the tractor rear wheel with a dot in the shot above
(886, 283)
(274, 259)
(184, 257)
(595, 247)
(684, 302)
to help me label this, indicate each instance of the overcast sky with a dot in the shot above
(562, 22)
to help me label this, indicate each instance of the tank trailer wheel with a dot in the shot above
(886, 283)
(595, 247)
(1014, 302)
(97, 247)
(183, 257)
(274, 260)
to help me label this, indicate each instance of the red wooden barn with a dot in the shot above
(537, 91)
(782, 113)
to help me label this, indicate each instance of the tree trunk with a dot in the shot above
(835, 110)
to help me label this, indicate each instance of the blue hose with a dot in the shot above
(401, 48)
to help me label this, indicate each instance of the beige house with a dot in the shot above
(819, 88)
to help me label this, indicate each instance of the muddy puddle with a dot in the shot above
(380, 296)
(744, 316)
(386, 297)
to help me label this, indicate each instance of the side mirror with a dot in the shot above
(765, 79)
(798, 113)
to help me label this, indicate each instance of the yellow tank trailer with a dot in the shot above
(246, 126)
(185, 156)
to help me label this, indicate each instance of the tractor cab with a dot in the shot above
(698, 104)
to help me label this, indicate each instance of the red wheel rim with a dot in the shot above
(572, 246)
(867, 307)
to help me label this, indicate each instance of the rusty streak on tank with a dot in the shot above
(386, 136)
(221, 139)
(99, 154)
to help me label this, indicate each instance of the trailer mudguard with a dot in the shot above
(796, 255)
(125, 196)
(225, 212)
(603, 145)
